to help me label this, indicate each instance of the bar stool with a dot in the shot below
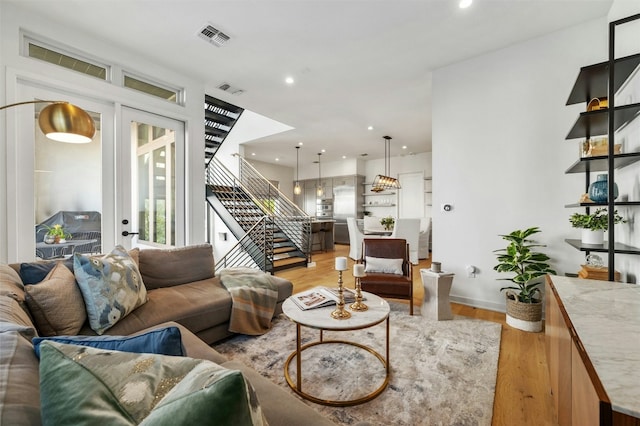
(327, 228)
(317, 235)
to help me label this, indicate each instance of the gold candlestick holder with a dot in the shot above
(358, 305)
(340, 313)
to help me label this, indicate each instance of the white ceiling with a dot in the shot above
(355, 63)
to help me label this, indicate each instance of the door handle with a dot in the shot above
(127, 233)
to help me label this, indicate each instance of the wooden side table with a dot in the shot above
(435, 303)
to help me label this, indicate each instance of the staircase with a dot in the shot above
(219, 119)
(272, 232)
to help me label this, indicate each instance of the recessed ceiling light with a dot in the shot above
(465, 4)
(277, 159)
(370, 128)
(404, 147)
(289, 80)
(253, 153)
(344, 156)
(300, 143)
(324, 150)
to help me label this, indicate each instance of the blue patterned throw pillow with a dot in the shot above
(111, 286)
(161, 341)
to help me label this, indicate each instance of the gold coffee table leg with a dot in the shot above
(297, 387)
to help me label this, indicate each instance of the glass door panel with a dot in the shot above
(158, 178)
(68, 193)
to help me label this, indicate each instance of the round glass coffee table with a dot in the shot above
(320, 319)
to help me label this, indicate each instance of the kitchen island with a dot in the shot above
(326, 228)
(593, 349)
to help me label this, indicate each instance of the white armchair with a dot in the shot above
(425, 236)
(355, 239)
(408, 229)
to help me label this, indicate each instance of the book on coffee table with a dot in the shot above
(319, 297)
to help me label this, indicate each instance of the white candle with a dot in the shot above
(341, 263)
(358, 270)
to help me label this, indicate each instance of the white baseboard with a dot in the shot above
(482, 304)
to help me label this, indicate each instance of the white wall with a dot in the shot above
(283, 175)
(499, 150)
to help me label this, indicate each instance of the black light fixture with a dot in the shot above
(383, 182)
(297, 189)
(63, 122)
(319, 190)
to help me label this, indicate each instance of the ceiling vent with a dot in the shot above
(213, 35)
(226, 87)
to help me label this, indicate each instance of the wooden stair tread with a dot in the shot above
(291, 260)
(280, 250)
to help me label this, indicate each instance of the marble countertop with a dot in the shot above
(606, 317)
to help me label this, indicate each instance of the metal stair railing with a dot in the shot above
(255, 246)
(294, 223)
(251, 250)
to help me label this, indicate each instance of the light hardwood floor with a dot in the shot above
(522, 390)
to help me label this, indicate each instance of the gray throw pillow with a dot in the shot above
(168, 267)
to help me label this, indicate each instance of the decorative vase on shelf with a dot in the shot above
(49, 239)
(592, 237)
(598, 190)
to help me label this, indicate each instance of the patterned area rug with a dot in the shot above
(442, 372)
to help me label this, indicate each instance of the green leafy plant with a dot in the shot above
(58, 231)
(528, 265)
(598, 220)
(387, 222)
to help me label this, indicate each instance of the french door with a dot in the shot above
(126, 186)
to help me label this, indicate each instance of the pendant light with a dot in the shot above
(63, 122)
(297, 189)
(383, 182)
(319, 190)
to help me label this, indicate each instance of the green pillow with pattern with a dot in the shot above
(81, 385)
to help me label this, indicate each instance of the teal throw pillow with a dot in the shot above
(79, 385)
(161, 341)
(111, 287)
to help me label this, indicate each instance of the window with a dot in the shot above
(38, 50)
(153, 89)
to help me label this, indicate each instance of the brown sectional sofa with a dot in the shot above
(200, 308)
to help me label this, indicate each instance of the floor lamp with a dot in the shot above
(63, 122)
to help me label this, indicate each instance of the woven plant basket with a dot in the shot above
(523, 316)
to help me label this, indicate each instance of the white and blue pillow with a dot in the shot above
(111, 287)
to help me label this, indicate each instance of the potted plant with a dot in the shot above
(524, 301)
(387, 222)
(56, 234)
(593, 225)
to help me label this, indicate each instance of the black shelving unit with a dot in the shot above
(603, 248)
(601, 163)
(598, 81)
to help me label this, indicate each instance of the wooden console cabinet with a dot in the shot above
(579, 395)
